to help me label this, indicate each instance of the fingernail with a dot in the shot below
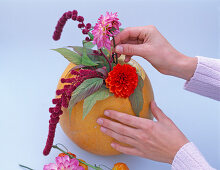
(106, 113)
(103, 129)
(119, 49)
(112, 145)
(99, 121)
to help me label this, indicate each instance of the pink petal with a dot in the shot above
(50, 166)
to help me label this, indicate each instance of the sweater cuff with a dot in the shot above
(189, 158)
(206, 79)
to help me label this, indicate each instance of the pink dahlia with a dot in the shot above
(64, 163)
(106, 27)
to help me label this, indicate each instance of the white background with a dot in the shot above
(29, 72)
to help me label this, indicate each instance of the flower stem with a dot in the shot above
(25, 167)
(110, 67)
(114, 47)
(96, 168)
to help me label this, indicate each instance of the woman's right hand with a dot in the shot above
(148, 43)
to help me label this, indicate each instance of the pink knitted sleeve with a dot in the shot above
(206, 79)
(189, 158)
(206, 82)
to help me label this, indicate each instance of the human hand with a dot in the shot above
(148, 43)
(157, 141)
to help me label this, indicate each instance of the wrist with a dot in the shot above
(185, 67)
(180, 142)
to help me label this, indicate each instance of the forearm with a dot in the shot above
(189, 158)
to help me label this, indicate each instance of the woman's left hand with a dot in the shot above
(156, 140)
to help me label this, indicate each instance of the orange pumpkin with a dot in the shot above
(86, 132)
(120, 166)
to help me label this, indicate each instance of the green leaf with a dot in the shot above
(86, 60)
(95, 58)
(69, 55)
(136, 98)
(86, 88)
(79, 50)
(91, 35)
(90, 101)
(89, 45)
(103, 71)
(105, 51)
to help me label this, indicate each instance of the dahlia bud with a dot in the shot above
(75, 12)
(74, 72)
(87, 39)
(53, 116)
(59, 92)
(64, 102)
(54, 121)
(52, 130)
(74, 17)
(70, 80)
(81, 25)
(88, 25)
(51, 110)
(55, 101)
(61, 23)
(57, 108)
(85, 31)
(80, 19)
(77, 84)
(63, 19)
(96, 52)
(63, 80)
(59, 28)
(68, 14)
(57, 33)
(53, 126)
(60, 112)
(66, 86)
(56, 37)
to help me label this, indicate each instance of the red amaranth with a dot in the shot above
(74, 16)
(64, 95)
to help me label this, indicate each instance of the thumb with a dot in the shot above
(157, 112)
(129, 49)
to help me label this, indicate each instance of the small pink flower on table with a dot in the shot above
(106, 27)
(64, 163)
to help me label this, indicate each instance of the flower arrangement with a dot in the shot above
(98, 74)
(68, 161)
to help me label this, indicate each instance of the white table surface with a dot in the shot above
(29, 73)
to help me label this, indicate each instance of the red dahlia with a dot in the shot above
(122, 80)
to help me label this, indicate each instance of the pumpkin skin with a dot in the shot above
(86, 132)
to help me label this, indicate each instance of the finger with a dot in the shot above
(128, 42)
(130, 33)
(126, 150)
(127, 119)
(130, 49)
(127, 58)
(157, 112)
(118, 137)
(117, 127)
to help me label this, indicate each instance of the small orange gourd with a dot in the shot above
(120, 166)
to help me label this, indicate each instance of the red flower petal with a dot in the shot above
(122, 80)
